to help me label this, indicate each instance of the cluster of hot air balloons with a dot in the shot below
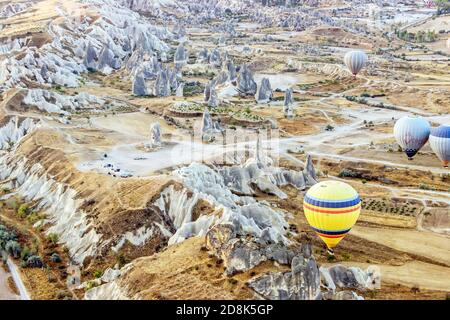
(331, 208)
(355, 60)
(412, 133)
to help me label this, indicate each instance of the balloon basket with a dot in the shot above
(330, 252)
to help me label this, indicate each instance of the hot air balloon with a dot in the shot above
(355, 61)
(440, 143)
(411, 134)
(331, 208)
(429, 3)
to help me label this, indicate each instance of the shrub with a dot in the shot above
(53, 238)
(13, 248)
(23, 211)
(55, 258)
(98, 274)
(26, 253)
(34, 262)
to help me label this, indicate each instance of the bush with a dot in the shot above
(55, 258)
(26, 253)
(23, 211)
(53, 238)
(98, 273)
(13, 248)
(34, 262)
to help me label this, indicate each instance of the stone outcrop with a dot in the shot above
(227, 241)
(181, 56)
(213, 100)
(288, 108)
(155, 135)
(139, 87)
(203, 56)
(162, 84)
(301, 283)
(180, 90)
(209, 126)
(108, 61)
(215, 58)
(246, 83)
(232, 74)
(339, 277)
(264, 93)
(90, 57)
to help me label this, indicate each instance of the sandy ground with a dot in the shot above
(426, 244)
(412, 274)
(5, 291)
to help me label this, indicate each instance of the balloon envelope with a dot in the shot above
(355, 61)
(440, 143)
(331, 208)
(411, 134)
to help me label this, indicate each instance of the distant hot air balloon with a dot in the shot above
(440, 143)
(429, 3)
(331, 208)
(355, 60)
(411, 134)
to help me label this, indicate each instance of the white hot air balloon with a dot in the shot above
(355, 60)
(440, 143)
(411, 134)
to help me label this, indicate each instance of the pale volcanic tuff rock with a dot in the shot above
(203, 56)
(209, 126)
(53, 102)
(90, 58)
(252, 216)
(213, 100)
(246, 82)
(108, 60)
(102, 44)
(162, 84)
(207, 91)
(181, 56)
(180, 90)
(7, 46)
(301, 283)
(288, 103)
(241, 252)
(155, 135)
(264, 93)
(58, 200)
(13, 9)
(221, 78)
(139, 86)
(232, 74)
(215, 58)
(220, 188)
(147, 6)
(339, 277)
(239, 179)
(14, 130)
(73, 220)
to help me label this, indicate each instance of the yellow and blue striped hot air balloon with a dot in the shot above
(332, 208)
